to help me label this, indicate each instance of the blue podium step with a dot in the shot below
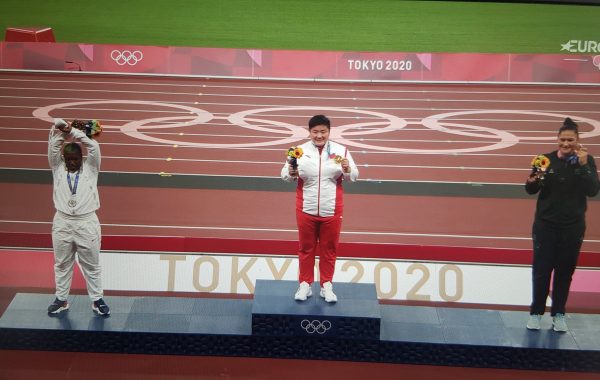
(356, 315)
(224, 327)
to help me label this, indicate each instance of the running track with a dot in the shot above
(440, 165)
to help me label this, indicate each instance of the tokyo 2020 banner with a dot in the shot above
(306, 65)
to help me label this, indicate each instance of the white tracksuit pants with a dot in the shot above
(79, 235)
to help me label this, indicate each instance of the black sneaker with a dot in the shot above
(57, 306)
(100, 307)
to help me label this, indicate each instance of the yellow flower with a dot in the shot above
(295, 152)
(540, 162)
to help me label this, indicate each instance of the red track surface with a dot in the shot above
(68, 365)
(525, 118)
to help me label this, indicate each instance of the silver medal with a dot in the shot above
(73, 188)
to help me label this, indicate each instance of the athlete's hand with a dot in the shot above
(346, 166)
(582, 155)
(62, 125)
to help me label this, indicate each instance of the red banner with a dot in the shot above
(306, 65)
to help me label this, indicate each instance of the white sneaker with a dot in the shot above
(534, 322)
(303, 292)
(327, 292)
(559, 323)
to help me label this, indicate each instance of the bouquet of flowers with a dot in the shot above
(540, 163)
(91, 128)
(293, 154)
(336, 157)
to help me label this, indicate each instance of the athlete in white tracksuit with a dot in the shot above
(75, 228)
(320, 172)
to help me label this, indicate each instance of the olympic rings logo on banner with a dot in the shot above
(596, 61)
(315, 326)
(126, 57)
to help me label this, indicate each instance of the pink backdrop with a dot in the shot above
(310, 65)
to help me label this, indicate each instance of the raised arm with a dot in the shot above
(92, 146)
(55, 142)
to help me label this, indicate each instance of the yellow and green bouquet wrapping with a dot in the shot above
(293, 154)
(539, 165)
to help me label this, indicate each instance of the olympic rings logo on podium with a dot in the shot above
(126, 57)
(315, 326)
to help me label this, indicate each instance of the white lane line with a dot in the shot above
(222, 115)
(343, 88)
(248, 229)
(214, 228)
(298, 107)
(328, 98)
(115, 131)
(280, 163)
(184, 144)
(368, 180)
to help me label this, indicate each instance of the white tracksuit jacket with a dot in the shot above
(319, 190)
(87, 195)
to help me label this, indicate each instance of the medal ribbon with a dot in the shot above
(73, 187)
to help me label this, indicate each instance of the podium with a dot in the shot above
(274, 325)
(356, 315)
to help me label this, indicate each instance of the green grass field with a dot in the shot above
(355, 25)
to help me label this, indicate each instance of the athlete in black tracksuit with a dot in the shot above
(559, 224)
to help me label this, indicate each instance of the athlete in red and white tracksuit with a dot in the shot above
(320, 203)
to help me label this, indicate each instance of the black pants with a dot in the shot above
(554, 249)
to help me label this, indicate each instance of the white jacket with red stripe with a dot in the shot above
(319, 191)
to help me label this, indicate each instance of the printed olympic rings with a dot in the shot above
(126, 57)
(315, 326)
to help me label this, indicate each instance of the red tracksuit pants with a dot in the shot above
(317, 236)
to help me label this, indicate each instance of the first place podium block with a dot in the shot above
(356, 315)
